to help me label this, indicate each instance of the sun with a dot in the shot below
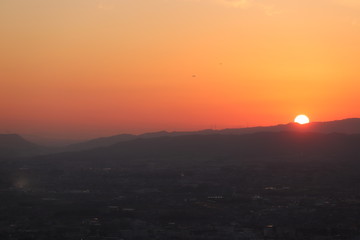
(302, 119)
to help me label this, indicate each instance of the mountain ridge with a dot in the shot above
(348, 126)
(14, 145)
(198, 148)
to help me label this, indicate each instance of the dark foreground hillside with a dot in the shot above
(259, 186)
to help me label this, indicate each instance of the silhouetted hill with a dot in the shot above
(108, 141)
(100, 142)
(13, 145)
(258, 145)
(347, 126)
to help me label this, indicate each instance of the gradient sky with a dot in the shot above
(88, 68)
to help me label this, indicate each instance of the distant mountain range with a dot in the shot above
(195, 149)
(12, 145)
(346, 126)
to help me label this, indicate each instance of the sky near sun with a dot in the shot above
(88, 68)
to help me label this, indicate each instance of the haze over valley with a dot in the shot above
(287, 181)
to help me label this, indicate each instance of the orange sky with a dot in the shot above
(88, 68)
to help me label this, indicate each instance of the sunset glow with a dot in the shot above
(89, 68)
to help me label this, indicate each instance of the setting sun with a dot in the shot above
(84, 69)
(302, 119)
